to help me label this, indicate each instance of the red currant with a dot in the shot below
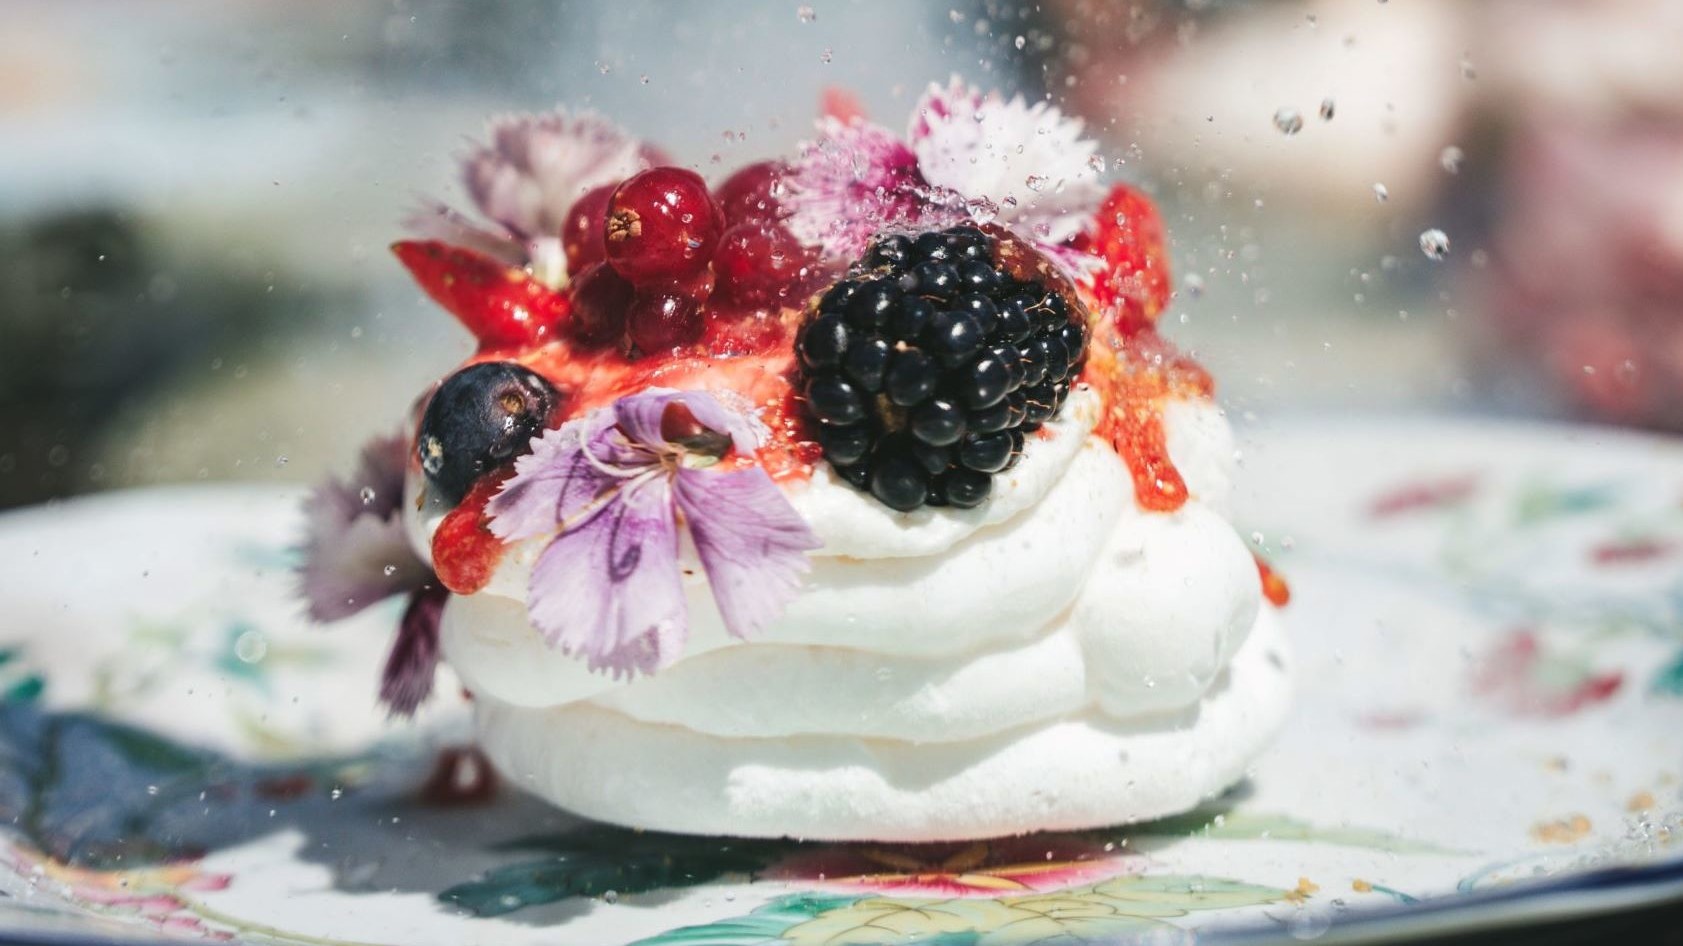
(759, 264)
(600, 300)
(582, 234)
(753, 193)
(661, 319)
(662, 226)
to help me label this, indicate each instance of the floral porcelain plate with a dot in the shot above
(1489, 627)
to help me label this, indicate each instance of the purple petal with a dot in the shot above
(639, 416)
(751, 541)
(413, 661)
(557, 481)
(608, 588)
(349, 573)
(356, 551)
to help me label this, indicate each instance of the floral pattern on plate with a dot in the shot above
(1491, 642)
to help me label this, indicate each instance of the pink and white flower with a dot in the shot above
(968, 155)
(527, 178)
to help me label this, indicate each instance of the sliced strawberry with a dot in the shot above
(1128, 235)
(503, 306)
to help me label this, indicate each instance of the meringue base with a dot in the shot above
(1082, 771)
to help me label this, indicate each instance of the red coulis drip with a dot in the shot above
(464, 552)
(1274, 588)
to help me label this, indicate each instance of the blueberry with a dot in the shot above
(480, 418)
(834, 400)
(938, 421)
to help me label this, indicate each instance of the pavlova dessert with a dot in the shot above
(855, 496)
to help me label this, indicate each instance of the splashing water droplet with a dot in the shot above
(610, 897)
(367, 494)
(1434, 243)
(1035, 182)
(981, 209)
(827, 55)
(390, 570)
(806, 14)
(1019, 42)
(251, 647)
(1381, 193)
(1451, 158)
(1096, 162)
(1327, 108)
(1288, 120)
(1194, 285)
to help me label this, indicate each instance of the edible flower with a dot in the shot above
(613, 488)
(524, 182)
(968, 155)
(357, 554)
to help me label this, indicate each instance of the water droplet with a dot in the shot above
(955, 16)
(981, 209)
(603, 67)
(1288, 120)
(806, 14)
(827, 55)
(1096, 163)
(1194, 285)
(1314, 20)
(1381, 193)
(610, 897)
(1019, 42)
(367, 494)
(251, 647)
(152, 790)
(1035, 182)
(1467, 71)
(336, 794)
(1434, 243)
(1450, 158)
(280, 460)
(1327, 108)
(389, 570)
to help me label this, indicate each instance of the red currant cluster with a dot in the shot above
(657, 256)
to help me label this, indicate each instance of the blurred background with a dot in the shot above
(1417, 205)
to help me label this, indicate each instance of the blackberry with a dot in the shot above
(926, 366)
